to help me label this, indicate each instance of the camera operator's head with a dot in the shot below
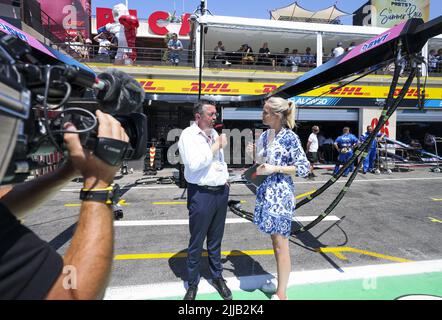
(8, 136)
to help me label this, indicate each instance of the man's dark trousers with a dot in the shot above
(207, 217)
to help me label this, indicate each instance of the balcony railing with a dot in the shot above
(42, 23)
(228, 60)
(145, 56)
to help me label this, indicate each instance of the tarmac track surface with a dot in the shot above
(373, 239)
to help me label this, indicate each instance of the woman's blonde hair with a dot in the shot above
(285, 108)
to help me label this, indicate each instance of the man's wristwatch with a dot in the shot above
(109, 195)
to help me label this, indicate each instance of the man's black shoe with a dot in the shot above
(191, 293)
(221, 287)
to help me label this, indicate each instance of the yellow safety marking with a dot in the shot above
(436, 199)
(338, 253)
(434, 220)
(122, 202)
(305, 194)
(340, 256)
(168, 255)
(171, 203)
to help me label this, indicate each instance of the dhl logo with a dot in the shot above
(266, 88)
(349, 91)
(213, 87)
(148, 86)
(269, 88)
(410, 93)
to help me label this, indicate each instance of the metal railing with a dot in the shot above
(227, 60)
(280, 61)
(43, 23)
(145, 56)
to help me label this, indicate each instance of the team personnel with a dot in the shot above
(368, 165)
(312, 149)
(344, 145)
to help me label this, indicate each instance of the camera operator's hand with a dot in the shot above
(96, 173)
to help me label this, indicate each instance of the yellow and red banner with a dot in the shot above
(254, 88)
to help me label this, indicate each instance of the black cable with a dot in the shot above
(66, 96)
(360, 149)
(78, 131)
(45, 107)
(81, 131)
(364, 155)
(386, 114)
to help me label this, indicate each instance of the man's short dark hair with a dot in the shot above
(199, 106)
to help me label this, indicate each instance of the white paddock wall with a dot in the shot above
(302, 114)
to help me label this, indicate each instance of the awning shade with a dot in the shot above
(295, 12)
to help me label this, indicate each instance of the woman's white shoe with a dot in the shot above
(268, 287)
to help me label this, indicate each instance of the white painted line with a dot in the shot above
(178, 222)
(250, 283)
(343, 180)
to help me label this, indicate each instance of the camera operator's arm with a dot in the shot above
(91, 251)
(22, 198)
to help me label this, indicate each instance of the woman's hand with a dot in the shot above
(251, 149)
(265, 169)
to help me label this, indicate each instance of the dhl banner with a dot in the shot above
(245, 88)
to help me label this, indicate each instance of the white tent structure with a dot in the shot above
(294, 12)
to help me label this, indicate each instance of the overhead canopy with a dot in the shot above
(295, 12)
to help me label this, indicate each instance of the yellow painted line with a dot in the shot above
(340, 256)
(338, 253)
(434, 220)
(436, 199)
(172, 203)
(168, 255)
(161, 203)
(122, 202)
(305, 194)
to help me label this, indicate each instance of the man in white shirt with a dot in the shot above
(104, 43)
(339, 50)
(201, 150)
(312, 149)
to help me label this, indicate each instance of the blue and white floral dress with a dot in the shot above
(275, 197)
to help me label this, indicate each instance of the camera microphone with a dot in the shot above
(119, 93)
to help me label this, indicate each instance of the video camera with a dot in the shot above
(41, 89)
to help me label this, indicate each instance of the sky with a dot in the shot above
(242, 8)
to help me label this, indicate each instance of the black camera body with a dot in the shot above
(44, 89)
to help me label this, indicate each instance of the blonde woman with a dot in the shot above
(280, 152)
